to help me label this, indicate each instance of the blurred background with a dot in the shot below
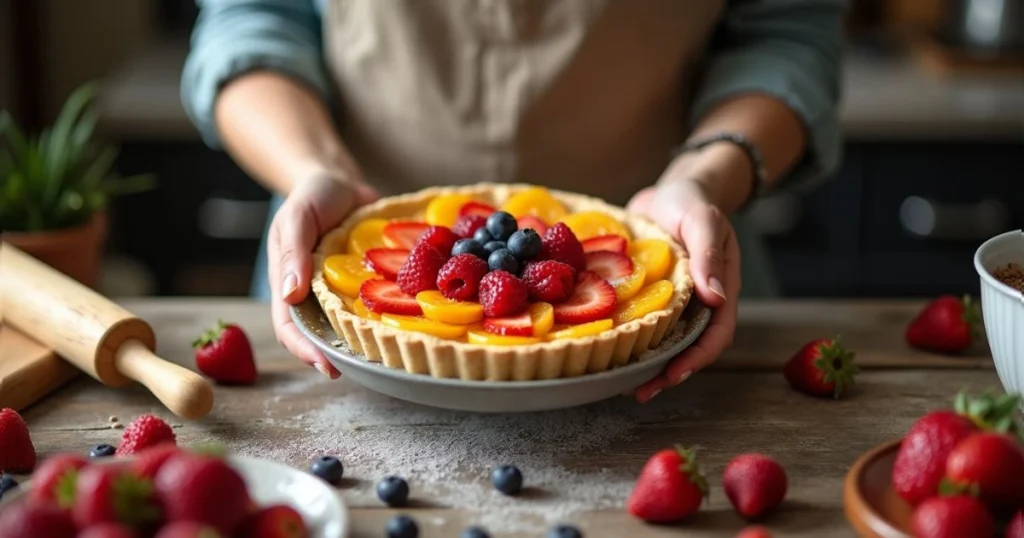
(933, 115)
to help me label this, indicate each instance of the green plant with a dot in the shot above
(63, 177)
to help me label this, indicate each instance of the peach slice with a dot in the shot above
(588, 224)
(421, 324)
(444, 209)
(366, 235)
(359, 308)
(346, 273)
(477, 335)
(593, 328)
(628, 286)
(536, 201)
(437, 307)
(651, 298)
(536, 321)
(655, 255)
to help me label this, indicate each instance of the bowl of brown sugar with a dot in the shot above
(1000, 266)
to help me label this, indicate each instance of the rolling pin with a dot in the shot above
(92, 332)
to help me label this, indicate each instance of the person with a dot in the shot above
(683, 111)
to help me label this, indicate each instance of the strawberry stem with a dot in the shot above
(836, 362)
(692, 469)
(972, 317)
(211, 335)
(135, 500)
(950, 488)
(991, 412)
(65, 493)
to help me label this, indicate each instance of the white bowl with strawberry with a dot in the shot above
(1000, 266)
(166, 491)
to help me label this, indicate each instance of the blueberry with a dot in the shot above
(7, 483)
(393, 490)
(402, 527)
(525, 244)
(474, 532)
(482, 236)
(469, 246)
(504, 260)
(101, 451)
(501, 225)
(507, 479)
(564, 531)
(490, 247)
(329, 469)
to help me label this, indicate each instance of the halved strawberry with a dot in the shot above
(521, 325)
(476, 208)
(612, 242)
(591, 300)
(611, 266)
(385, 261)
(530, 221)
(403, 233)
(385, 297)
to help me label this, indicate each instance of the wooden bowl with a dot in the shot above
(872, 506)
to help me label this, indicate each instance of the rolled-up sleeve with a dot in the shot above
(232, 37)
(792, 50)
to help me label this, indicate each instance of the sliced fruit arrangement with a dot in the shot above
(346, 273)
(404, 234)
(612, 242)
(588, 224)
(366, 235)
(535, 322)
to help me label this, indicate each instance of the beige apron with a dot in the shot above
(586, 95)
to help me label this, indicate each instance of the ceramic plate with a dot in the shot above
(271, 483)
(496, 396)
(872, 505)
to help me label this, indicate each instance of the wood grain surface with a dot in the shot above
(740, 404)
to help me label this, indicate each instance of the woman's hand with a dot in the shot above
(682, 206)
(314, 207)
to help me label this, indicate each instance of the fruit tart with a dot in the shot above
(500, 282)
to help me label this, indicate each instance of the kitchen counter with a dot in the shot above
(579, 464)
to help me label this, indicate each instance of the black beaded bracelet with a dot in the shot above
(759, 175)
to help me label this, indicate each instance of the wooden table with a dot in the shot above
(582, 459)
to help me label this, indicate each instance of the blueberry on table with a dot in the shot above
(7, 483)
(564, 531)
(393, 490)
(507, 479)
(482, 236)
(491, 246)
(501, 225)
(329, 468)
(502, 259)
(102, 451)
(402, 527)
(474, 532)
(525, 244)
(469, 246)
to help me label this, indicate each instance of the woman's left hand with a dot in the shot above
(681, 206)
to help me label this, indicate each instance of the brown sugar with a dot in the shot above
(1012, 275)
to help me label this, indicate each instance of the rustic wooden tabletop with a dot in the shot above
(580, 464)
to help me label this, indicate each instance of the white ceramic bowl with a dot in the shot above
(1003, 308)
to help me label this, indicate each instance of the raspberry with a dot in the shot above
(439, 237)
(502, 294)
(145, 431)
(460, 276)
(468, 224)
(419, 272)
(549, 281)
(560, 244)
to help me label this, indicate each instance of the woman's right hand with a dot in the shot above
(313, 207)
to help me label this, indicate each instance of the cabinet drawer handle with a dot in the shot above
(926, 218)
(225, 218)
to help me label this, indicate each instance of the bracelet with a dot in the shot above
(759, 175)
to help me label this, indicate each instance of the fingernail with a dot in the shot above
(289, 285)
(653, 394)
(322, 369)
(682, 377)
(716, 287)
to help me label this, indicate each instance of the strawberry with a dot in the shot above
(17, 453)
(671, 487)
(945, 325)
(754, 531)
(459, 277)
(404, 234)
(110, 492)
(822, 368)
(531, 222)
(384, 296)
(147, 462)
(34, 518)
(224, 354)
(611, 266)
(476, 208)
(386, 262)
(560, 244)
(592, 299)
(549, 281)
(521, 325)
(921, 460)
(275, 521)
(755, 484)
(467, 225)
(952, 517)
(189, 529)
(419, 272)
(502, 294)
(990, 465)
(611, 242)
(108, 530)
(441, 238)
(1016, 527)
(203, 489)
(143, 432)
(54, 480)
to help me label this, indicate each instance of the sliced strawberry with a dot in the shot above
(530, 221)
(612, 242)
(521, 325)
(385, 297)
(611, 266)
(476, 208)
(404, 233)
(385, 261)
(591, 300)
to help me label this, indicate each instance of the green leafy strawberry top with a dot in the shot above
(692, 469)
(210, 336)
(836, 363)
(991, 412)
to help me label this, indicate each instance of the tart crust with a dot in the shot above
(421, 353)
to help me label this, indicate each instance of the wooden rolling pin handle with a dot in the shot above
(183, 391)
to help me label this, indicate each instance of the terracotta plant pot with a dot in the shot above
(74, 251)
